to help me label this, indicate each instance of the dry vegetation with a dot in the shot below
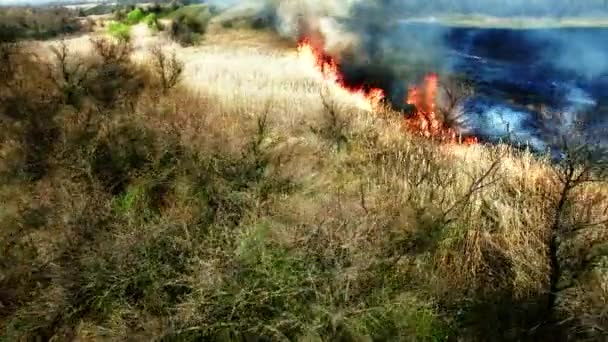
(226, 193)
(37, 23)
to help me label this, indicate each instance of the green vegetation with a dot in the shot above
(152, 21)
(122, 26)
(135, 16)
(119, 30)
(189, 24)
(192, 11)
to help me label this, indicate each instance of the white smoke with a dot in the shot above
(290, 13)
(293, 17)
(383, 34)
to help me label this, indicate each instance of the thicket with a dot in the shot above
(189, 24)
(36, 23)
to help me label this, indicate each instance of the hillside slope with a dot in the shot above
(258, 201)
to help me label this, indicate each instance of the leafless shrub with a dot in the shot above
(28, 106)
(168, 68)
(453, 91)
(69, 73)
(108, 77)
(334, 125)
(116, 79)
(112, 51)
(578, 216)
(8, 53)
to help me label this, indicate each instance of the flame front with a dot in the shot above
(424, 120)
(310, 53)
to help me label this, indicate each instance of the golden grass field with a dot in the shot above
(382, 235)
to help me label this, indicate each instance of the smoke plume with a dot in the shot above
(517, 65)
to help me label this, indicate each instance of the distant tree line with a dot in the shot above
(36, 23)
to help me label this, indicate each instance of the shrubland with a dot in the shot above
(36, 23)
(136, 207)
(187, 24)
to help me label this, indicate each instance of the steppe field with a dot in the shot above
(251, 198)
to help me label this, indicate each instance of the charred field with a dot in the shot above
(552, 69)
(197, 174)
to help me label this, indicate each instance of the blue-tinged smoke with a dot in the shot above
(495, 121)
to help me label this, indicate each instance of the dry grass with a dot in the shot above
(258, 201)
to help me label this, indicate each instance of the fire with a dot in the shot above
(330, 70)
(424, 120)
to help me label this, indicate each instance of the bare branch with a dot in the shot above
(168, 67)
(477, 185)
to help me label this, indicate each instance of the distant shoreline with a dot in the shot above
(86, 6)
(483, 21)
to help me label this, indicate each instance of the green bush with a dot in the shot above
(135, 16)
(187, 29)
(152, 21)
(120, 30)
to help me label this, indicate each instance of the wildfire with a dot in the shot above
(424, 120)
(330, 70)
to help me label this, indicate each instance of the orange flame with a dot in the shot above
(330, 70)
(424, 120)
